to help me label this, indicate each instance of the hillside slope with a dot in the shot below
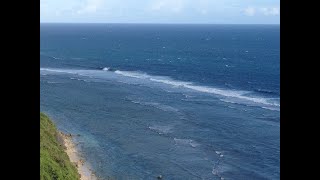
(54, 162)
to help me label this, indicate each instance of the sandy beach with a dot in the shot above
(70, 148)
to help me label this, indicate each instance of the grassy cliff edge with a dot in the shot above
(54, 162)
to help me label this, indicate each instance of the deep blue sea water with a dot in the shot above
(183, 101)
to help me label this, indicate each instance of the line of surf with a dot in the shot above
(226, 93)
(205, 89)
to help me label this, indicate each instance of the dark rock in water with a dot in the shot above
(159, 177)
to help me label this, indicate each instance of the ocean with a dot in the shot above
(181, 101)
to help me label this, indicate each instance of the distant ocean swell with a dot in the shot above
(226, 95)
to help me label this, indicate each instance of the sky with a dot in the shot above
(161, 11)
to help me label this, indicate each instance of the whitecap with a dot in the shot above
(188, 142)
(161, 129)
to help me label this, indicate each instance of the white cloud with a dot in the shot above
(267, 11)
(250, 11)
(213, 11)
(201, 6)
(91, 6)
(274, 11)
(168, 5)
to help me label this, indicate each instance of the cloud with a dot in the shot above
(91, 6)
(274, 11)
(175, 6)
(267, 11)
(206, 11)
(250, 11)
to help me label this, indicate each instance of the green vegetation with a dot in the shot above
(54, 162)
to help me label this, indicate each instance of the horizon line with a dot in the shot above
(159, 23)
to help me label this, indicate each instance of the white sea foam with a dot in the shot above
(132, 74)
(171, 82)
(230, 96)
(211, 90)
(53, 82)
(161, 129)
(194, 144)
(188, 142)
(55, 57)
(188, 96)
(57, 70)
(79, 79)
(214, 171)
(271, 108)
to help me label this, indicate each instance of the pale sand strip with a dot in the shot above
(70, 148)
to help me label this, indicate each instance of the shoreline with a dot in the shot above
(84, 170)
